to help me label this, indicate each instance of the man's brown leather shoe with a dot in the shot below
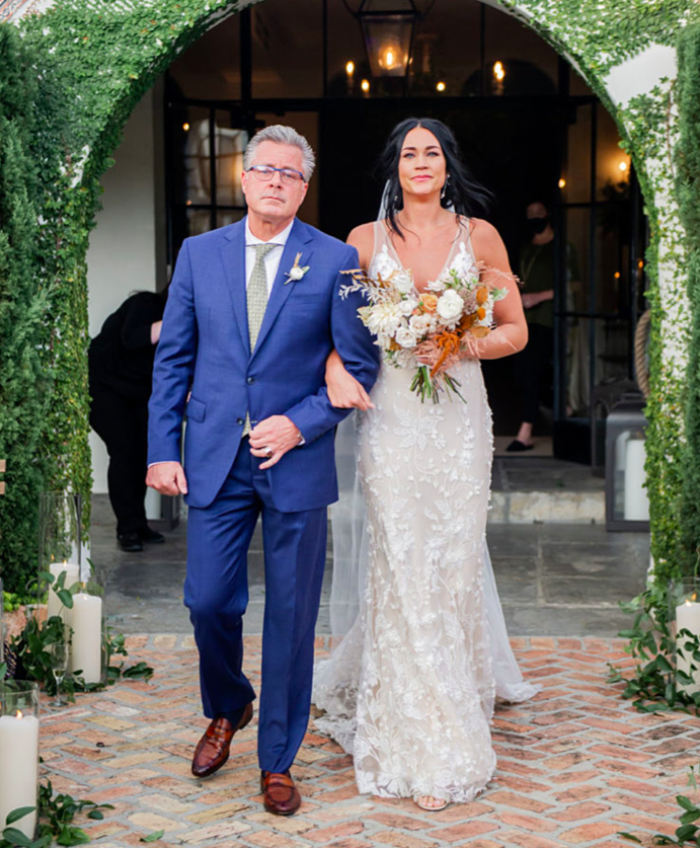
(281, 795)
(213, 748)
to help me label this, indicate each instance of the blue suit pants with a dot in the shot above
(216, 594)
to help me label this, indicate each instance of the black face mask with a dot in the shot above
(535, 226)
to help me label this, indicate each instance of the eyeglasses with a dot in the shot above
(288, 175)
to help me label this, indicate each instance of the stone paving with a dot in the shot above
(576, 765)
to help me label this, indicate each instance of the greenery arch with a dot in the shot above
(71, 76)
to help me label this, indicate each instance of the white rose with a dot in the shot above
(406, 337)
(403, 282)
(421, 324)
(407, 306)
(296, 273)
(450, 306)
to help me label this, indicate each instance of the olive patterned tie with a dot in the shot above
(257, 303)
(257, 292)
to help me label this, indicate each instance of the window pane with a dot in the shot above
(198, 221)
(230, 146)
(196, 157)
(577, 172)
(612, 163)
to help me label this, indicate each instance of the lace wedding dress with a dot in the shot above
(410, 690)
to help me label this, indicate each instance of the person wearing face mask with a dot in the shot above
(537, 273)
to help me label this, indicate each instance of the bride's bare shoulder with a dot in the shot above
(486, 240)
(482, 230)
(362, 238)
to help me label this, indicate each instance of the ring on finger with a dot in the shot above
(268, 453)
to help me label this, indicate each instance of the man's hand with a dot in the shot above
(272, 438)
(168, 478)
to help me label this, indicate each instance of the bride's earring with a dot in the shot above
(444, 187)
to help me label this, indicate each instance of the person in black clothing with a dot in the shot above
(537, 272)
(120, 362)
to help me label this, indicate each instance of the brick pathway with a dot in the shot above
(576, 765)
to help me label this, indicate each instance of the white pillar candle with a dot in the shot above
(636, 499)
(687, 618)
(72, 576)
(19, 769)
(86, 650)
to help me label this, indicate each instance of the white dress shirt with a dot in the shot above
(273, 258)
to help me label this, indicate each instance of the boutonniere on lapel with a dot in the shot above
(296, 272)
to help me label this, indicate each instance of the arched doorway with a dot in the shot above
(530, 127)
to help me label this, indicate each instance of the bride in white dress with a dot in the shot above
(411, 688)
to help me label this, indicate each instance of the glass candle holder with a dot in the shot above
(19, 752)
(684, 613)
(60, 548)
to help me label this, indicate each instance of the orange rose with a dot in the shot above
(429, 302)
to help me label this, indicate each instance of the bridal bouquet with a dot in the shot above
(426, 330)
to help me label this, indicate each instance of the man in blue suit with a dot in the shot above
(253, 313)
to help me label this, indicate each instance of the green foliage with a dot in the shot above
(33, 651)
(688, 833)
(57, 813)
(24, 305)
(655, 685)
(32, 648)
(10, 601)
(688, 193)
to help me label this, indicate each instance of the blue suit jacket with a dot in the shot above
(204, 348)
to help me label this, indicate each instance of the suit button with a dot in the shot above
(240, 421)
(251, 380)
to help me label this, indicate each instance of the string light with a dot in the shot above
(350, 68)
(186, 127)
(364, 85)
(441, 86)
(499, 71)
(623, 166)
(562, 183)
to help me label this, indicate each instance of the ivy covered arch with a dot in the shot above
(71, 71)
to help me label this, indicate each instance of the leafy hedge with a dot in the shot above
(25, 375)
(688, 193)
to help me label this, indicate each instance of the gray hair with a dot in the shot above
(280, 134)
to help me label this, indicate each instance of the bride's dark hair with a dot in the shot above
(462, 191)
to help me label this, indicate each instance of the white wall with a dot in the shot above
(122, 254)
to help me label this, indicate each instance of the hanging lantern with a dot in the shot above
(388, 29)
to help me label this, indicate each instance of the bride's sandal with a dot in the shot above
(430, 803)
